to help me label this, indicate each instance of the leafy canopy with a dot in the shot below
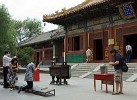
(7, 32)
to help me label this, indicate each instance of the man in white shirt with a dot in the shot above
(6, 62)
(128, 52)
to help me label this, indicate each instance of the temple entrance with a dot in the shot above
(77, 43)
(98, 49)
(38, 56)
(132, 40)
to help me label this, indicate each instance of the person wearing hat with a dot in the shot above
(118, 71)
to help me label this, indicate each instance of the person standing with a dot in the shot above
(118, 71)
(12, 75)
(128, 52)
(88, 55)
(6, 62)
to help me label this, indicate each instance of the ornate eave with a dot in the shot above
(89, 8)
(64, 12)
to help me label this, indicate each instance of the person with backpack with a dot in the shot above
(118, 71)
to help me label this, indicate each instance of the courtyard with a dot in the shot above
(78, 89)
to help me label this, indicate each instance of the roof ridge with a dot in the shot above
(80, 6)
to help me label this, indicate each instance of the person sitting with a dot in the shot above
(12, 75)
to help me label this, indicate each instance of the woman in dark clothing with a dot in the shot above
(12, 75)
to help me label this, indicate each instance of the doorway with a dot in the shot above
(98, 49)
(131, 39)
(77, 43)
(38, 56)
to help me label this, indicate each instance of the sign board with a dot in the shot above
(110, 41)
(126, 10)
(116, 47)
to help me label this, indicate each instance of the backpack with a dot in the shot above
(124, 66)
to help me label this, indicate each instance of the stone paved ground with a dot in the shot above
(79, 89)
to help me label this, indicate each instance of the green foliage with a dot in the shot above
(32, 27)
(25, 55)
(27, 28)
(19, 29)
(7, 32)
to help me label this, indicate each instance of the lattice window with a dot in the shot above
(91, 40)
(48, 54)
(75, 43)
(119, 34)
(70, 44)
(105, 38)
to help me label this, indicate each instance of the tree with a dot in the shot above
(7, 32)
(25, 55)
(32, 27)
(19, 29)
(27, 28)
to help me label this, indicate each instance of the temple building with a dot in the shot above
(47, 46)
(98, 24)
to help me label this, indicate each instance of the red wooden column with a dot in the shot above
(105, 45)
(43, 54)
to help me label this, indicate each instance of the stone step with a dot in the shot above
(86, 74)
(89, 68)
(132, 78)
(77, 75)
(84, 68)
(75, 72)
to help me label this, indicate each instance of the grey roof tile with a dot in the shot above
(43, 37)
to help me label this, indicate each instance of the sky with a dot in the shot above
(22, 9)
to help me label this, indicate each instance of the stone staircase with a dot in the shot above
(132, 69)
(84, 68)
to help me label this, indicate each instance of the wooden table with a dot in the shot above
(104, 78)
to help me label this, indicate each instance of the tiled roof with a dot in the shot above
(43, 37)
(85, 4)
